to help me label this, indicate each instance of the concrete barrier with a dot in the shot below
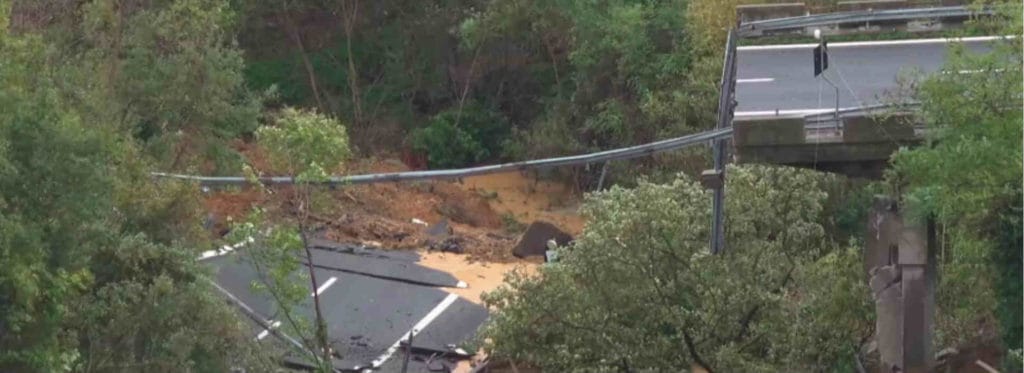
(781, 131)
(757, 12)
(861, 130)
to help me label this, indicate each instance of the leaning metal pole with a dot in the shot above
(726, 104)
(824, 52)
(836, 113)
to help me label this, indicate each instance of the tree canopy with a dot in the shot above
(639, 290)
(99, 260)
(968, 177)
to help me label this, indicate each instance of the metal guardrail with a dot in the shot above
(607, 155)
(862, 16)
(867, 109)
(727, 85)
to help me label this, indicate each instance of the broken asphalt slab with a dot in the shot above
(376, 265)
(421, 363)
(369, 309)
(448, 331)
(363, 251)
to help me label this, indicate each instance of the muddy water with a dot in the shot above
(479, 276)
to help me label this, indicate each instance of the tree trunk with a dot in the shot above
(554, 64)
(321, 324)
(293, 33)
(465, 86)
(179, 151)
(693, 352)
(349, 13)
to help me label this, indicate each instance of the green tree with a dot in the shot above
(967, 176)
(461, 137)
(625, 72)
(168, 72)
(569, 76)
(90, 274)
(384, 66)
(41, 216)
(308, 146)
(638, 289)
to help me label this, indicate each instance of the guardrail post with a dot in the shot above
(600, 181)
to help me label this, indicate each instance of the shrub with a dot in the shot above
(454, 139)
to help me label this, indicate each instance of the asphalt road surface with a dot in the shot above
(781, 77)
(371, 300)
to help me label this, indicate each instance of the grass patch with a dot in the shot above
(511, 224)
(489, 195)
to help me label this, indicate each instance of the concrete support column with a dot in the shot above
(918, 298)
(901, 266)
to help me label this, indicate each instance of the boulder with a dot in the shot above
(449, 245)
(534, 241)
(441, 229)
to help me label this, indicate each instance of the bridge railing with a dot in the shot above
(828, 19)
(829, 117)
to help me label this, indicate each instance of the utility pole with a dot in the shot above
(714, 179)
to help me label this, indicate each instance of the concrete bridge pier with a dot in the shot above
(899, 256)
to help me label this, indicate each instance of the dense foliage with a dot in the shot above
(459, 137)
(504, 79)
(99, 262)
(968, 178)
(166, 71)
(99, 270)
(638, 290)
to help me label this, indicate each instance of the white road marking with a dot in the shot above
(225, 249)
(319, 291)
(761, 113)
(422, 324)
(946, 72)
(266, 332)
(879, 43)
(324, 286)
(755, 80)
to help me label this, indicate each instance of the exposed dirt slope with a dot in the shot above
(528, 199)
(484, 212)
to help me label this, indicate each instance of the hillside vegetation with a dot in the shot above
(98, 258)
